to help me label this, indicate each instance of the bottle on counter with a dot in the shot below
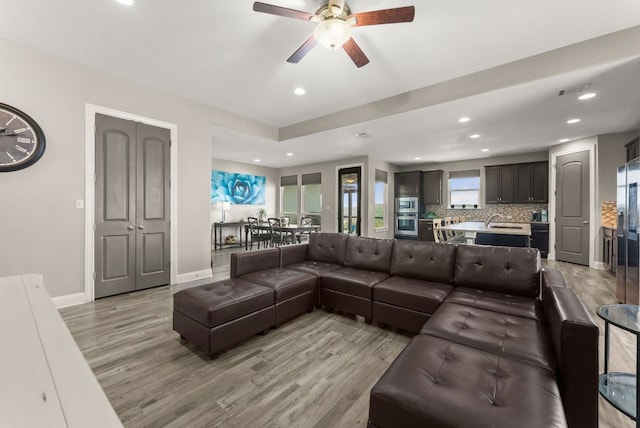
(543, 216)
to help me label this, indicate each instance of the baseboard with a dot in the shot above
(601, 265)
(68, 300)
(192, 276)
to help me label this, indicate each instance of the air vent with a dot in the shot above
(575, 90)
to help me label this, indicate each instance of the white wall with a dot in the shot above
(40, 228)
(238, 212)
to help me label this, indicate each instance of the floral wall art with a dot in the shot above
(241, 189)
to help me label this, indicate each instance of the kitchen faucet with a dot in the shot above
(488, 221)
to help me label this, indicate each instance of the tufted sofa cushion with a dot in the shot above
(441, 384)
(521, 306)
(368, 253)
(285, 282)
(506, 335)
(327, 247)
(503, 269)
(423, 260)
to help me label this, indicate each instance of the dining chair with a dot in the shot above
(305, 221)
(257, 234)
(278, 236)
(437, 230)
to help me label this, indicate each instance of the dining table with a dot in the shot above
(293, 229)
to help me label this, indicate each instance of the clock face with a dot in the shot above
(21, 139)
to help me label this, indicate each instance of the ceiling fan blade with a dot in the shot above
(302, 50)
(282, 11)
(385, 16)
(355, 53)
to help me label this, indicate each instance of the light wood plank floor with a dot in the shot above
(315, 371)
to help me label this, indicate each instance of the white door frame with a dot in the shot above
(580, 146)
(89, 179)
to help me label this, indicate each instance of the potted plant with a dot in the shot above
(262, 214)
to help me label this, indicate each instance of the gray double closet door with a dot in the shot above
(132, 206)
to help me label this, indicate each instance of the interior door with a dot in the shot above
(572, 202)
(132, 206)
(349, 196)
(152, 206)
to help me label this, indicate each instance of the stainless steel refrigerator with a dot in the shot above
(628, 222)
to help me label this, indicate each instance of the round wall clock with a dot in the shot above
(21, 139)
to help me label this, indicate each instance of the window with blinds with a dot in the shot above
(380, 219)
(312, 196)
(464, 188)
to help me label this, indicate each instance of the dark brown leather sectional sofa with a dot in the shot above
(498, 342)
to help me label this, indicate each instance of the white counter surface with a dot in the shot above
(498, 228)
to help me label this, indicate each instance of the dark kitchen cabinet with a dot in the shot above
(540, 238)
(407, 184)
(532, 183)
(633, 149)
(425, 230)
(610, 248)
(499, 184)
(432, 187)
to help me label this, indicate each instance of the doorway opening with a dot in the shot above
(349, 198)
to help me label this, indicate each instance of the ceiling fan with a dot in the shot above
(334, 21)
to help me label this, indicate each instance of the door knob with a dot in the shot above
(140, 226)
(130, 227)
(585, 222)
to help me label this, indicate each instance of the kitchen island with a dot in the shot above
(502, 234)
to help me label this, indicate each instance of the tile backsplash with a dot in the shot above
(511, 212)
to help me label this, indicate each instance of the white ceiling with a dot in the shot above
(225, 55)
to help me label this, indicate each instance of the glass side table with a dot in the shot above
(620, 389)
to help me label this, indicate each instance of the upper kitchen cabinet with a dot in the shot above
(432, 187)
(499, 184)
(407, 184)
(633, 147)
(532, 183)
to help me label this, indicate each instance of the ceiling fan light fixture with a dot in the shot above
(332, 33)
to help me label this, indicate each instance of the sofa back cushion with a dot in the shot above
(430, 261)
(327, 247)
(253, 261)
(368, 253)
(574, 337)
(503, 269)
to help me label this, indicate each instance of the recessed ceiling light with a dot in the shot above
(256, 160)
(289, 154)
(570, 121)
(417, 158)
(564, 140)
(125, 2)
(464, 119)
(484, 150)
(299, 91)
(474, 136)
(587, 96)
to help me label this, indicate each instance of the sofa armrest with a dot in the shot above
(575, 342)
(290, 254)
(551, 278)
(253, 261)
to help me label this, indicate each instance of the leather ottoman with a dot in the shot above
(222, 314)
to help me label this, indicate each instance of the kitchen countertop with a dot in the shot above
(502, 228)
